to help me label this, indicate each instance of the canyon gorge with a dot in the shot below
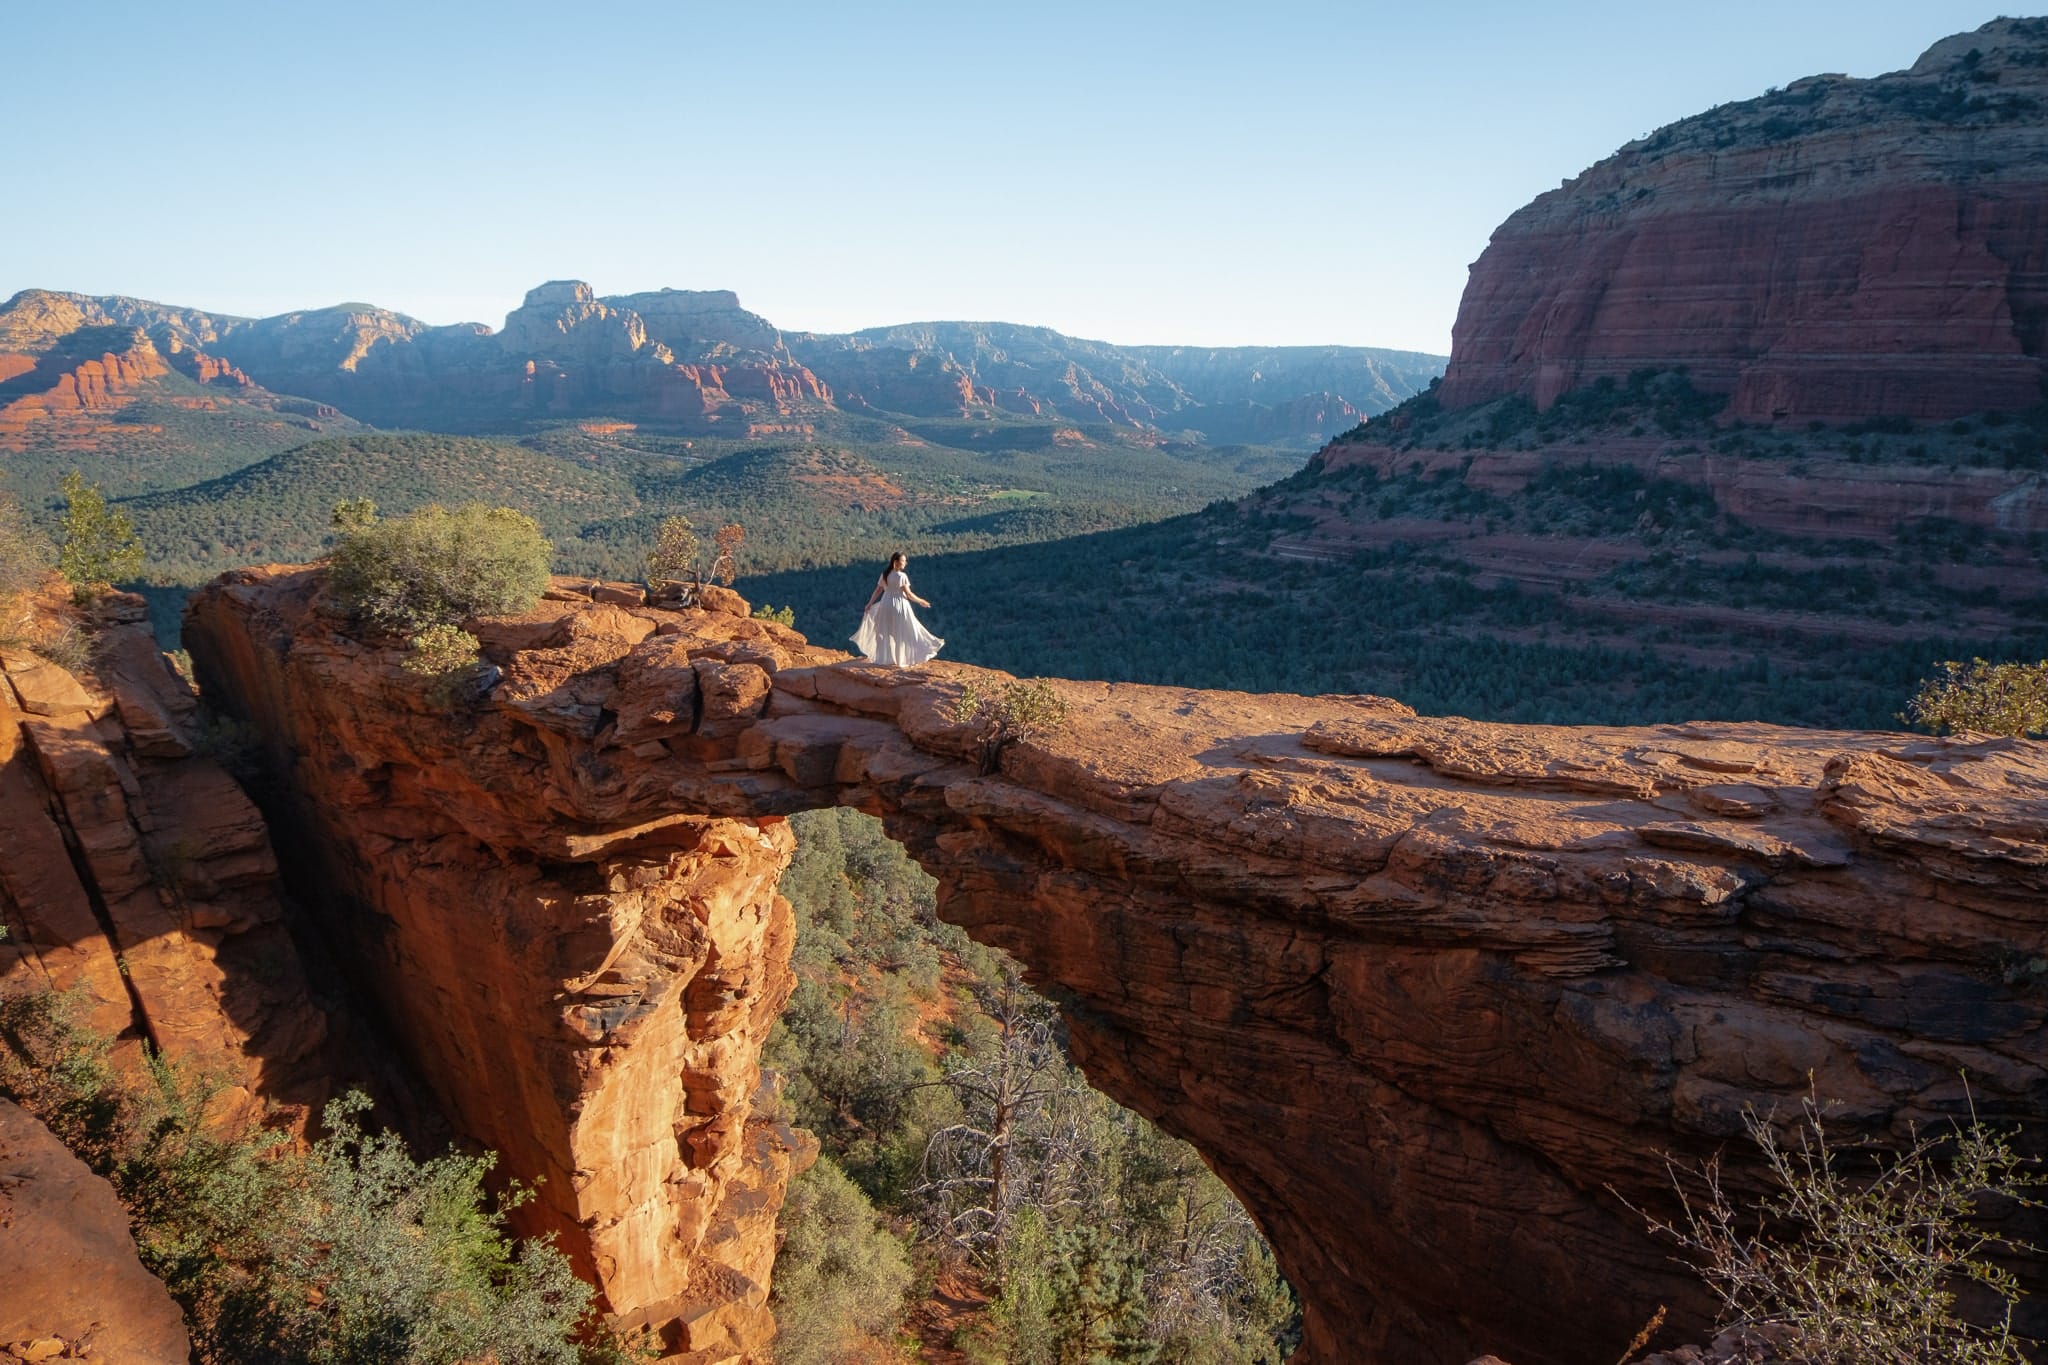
(1439, 999)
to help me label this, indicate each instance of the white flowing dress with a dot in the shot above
(890, 632)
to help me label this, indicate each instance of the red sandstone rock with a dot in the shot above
(204, 368)
(585, 992)
(135, 868)
(81, 384)
(70, 1284)
(1434, 997)
(1841, 249)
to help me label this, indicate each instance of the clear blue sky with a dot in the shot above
(1266, 172)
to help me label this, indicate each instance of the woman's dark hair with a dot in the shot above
(894, 561)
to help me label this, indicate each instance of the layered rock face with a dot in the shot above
(584, 976)
(694, 321)
(69, 364)
(562, 352)
(135, 871)
(1840, 249)
(1435, 997)
(97, 369)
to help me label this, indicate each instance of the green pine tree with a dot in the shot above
(1099, 1302)
(99, 545)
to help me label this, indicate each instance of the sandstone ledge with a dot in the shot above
(1433, 996)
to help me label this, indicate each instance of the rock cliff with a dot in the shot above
(1837, 249)
(584, 979)
(71, 1287)
(1433, 996)
(70, 365)
(134, 870)
(94, 369)
(702, 321)
(562, 352)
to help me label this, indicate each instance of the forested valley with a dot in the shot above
(974, 1198)
(1193, 602)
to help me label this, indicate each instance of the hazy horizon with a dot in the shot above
(1315, 174)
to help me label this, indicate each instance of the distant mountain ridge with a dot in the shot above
(123, 380)
(698, 358)
(1245, 393)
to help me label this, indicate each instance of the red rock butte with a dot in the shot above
(1840, 249)
(1434, 996)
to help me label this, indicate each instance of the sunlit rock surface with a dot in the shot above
(1434, 996)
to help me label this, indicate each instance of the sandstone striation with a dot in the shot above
(1836, 250)
(93, 370)
(70, 365)
(134, 870)
(583, 973)
(1433, 996)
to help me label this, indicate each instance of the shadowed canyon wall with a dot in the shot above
(135, 872)
(1433, 996)
(1838, 249)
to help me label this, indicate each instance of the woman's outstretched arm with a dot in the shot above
(876, 595)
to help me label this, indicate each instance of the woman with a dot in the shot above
(890, 632)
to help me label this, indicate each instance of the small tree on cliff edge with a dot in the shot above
(98, 545)
(674, 556)
(422, 575)
(1996, 699)
(1008, 715)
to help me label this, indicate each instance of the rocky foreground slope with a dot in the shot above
(71, 1286)
(1435, 997)
(1838, 249)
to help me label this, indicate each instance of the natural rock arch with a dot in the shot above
(1433, 996)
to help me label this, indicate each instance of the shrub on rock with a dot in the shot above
(437, 566)
(1996, 699)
